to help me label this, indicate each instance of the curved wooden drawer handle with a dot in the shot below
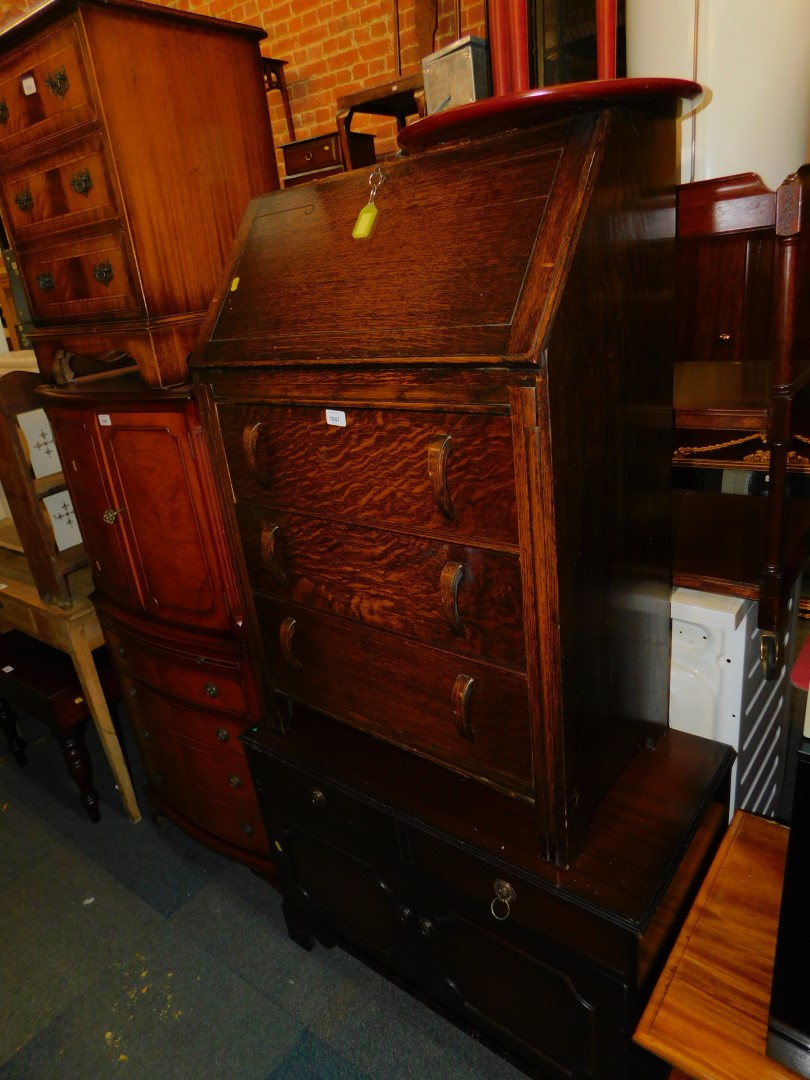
(269, 549)
(285, 636)
(450, 581)
(438, 453)
(462, 690)
(250, 437)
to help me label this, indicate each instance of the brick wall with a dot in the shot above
(332, 47)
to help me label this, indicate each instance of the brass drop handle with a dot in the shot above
(501, 903)
(462, 692)
(269, 550)
(82, 182)
(285, 636)
(250, 439)
(450, 581)
(109, 517)
(57, 82)
(438, 453)
(103, 272)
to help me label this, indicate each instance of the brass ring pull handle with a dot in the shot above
(269, 549)
(450, 581)
(103, 272)
(82, 182)
(438, 452)
(501, 903)
(57, 82)
(24, 201)
(462, 690)
(45, 281)
(285, 636)
(250, 438)
(109, 516)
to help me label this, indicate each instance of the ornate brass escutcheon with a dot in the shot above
(57, 82)
(103, 273)
(24, 200)
(45, 281)
(82, 182)
(3, 112)
(501, 903)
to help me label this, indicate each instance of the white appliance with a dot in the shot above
(718, 689)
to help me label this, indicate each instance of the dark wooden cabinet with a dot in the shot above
(443, 456)
(167, 599)
(120, 231)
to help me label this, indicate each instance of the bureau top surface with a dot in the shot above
(475, 246)
(48, 12)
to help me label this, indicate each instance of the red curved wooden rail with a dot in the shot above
(533, 107)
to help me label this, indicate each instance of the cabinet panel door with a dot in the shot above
(106, 544)
(550, 1010)
(167, 519)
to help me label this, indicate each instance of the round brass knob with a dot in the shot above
(317, 796)
(223, 735)
(235, 781)
(426, 928)
(211, 690)
(247, 830)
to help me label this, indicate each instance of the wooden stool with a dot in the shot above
(41, 681)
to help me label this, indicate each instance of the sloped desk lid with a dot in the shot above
(470, 248)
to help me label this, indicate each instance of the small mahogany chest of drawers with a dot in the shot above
(122, 184)
(316, 158)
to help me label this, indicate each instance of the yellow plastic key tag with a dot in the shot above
(368, 215)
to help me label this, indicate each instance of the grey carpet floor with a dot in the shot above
(130, 950)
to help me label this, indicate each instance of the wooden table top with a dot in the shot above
(708, 1015)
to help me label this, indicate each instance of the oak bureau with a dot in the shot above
(443, 452)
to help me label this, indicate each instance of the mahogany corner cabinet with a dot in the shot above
(442, 443)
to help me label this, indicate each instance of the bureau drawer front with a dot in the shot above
(441, 473)
(309, 154)
(225, 779)
(463, 714)
(456, 597)
(44, 90)
(67, 190)
(212, 683)
(88, 277)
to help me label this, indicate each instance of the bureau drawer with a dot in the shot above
(44, 90)
(439, 473)
(456, 597)
(66, 190)
(220, 777)
(86, 277)
(209, 682)
(240, 824)
(470, 716)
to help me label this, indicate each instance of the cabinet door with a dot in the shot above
(96, 505)
(171, 520)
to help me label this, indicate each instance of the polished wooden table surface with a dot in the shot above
(76, 631)
(708, 1015)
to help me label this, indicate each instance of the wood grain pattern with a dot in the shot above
(708, 1015)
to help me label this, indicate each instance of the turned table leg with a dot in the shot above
(74, 751)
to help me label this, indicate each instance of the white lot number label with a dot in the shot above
(335, 418)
